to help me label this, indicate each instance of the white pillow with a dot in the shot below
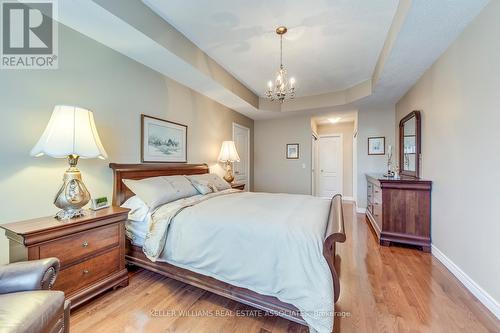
(220, 183)
(204, 186)
(157, 191)
(138, 209)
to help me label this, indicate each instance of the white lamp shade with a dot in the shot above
(228, 152)
(71, 130)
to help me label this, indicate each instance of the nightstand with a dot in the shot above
(91, 250)
(238, 186)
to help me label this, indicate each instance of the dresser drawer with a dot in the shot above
(377, 195)
(377, 215)
(82, 244)
(85, 273)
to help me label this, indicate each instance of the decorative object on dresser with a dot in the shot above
(228, 155)
(399, 210)
(91, 250)
(71, 133)
(376, 145)
(292, 151)
(162, 140)
(409, 144)
(390, 169)
(238, 186)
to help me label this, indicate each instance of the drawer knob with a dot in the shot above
(85, 271)
(85, 244)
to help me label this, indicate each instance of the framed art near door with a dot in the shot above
(162, 141)
(376, 145)
(292, 151)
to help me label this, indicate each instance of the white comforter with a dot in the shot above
(269, 243)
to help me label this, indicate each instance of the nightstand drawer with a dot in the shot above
(85, 273)
(82, 244)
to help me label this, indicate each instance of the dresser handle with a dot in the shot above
(376, 191)
(85, 271)
(85, 244)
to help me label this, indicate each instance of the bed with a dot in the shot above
(333, 234)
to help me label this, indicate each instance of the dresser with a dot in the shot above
(91, 250)
(399, 210)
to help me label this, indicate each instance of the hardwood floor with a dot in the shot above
(384, 289)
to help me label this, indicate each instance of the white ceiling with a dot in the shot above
(331, 44)
(340, 117)
(420, 32)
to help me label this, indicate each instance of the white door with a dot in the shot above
(241, 138)
(330, 166)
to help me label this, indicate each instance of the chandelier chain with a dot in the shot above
(281, 51)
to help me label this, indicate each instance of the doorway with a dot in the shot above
(241, 138)
(330, 165)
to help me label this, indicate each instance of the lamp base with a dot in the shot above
(228, 177)
(69, 214)
(73, 194)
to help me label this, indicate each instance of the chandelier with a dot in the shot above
(283, 88)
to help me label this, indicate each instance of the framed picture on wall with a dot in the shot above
(376, 145)
(292, 151)
(162, 140)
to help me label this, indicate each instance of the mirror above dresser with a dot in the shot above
(409, 145)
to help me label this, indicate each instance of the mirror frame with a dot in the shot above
(414, 114)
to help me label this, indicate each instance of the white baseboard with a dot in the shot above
(472, 286)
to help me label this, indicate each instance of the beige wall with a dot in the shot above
(372, 122)
(273, 172)
(459, 99)
(347, 130)
(118, 90)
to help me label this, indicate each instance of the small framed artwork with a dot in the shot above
(292, 151)
(162, 140)
(376, 145)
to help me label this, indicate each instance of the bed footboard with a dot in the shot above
(334, 234)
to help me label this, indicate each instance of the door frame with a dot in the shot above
(247, 187)
(314, 162)
(341, 136)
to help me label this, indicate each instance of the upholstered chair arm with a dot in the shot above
(28, 275)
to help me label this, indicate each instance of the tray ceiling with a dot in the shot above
(330, 46)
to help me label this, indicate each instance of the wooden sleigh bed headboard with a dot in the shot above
(140, 171)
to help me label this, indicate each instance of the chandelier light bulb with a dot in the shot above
(270, 84)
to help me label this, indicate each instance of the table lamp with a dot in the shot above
(71, 133)
(228, 155)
